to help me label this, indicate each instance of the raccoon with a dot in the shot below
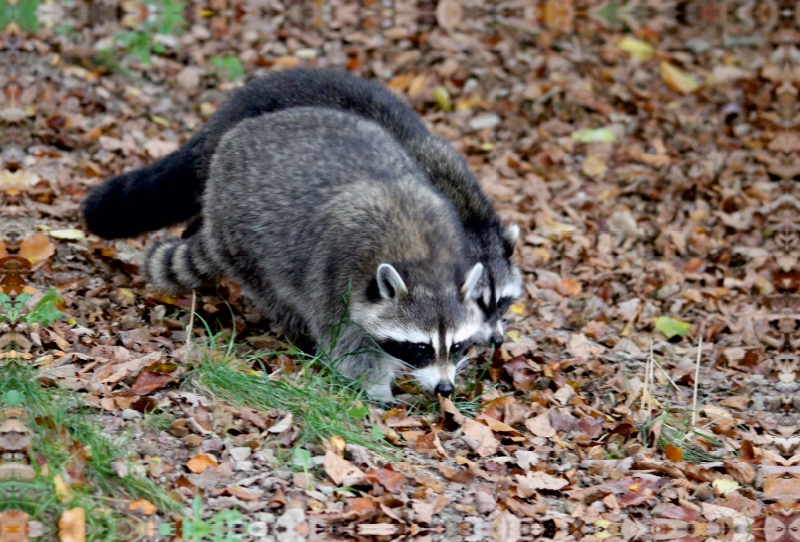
(170, 190)
(322, 218)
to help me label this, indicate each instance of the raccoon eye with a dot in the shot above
(503, 303)
(458, 348)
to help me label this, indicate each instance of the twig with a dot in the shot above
(697, 377)
(190, 327)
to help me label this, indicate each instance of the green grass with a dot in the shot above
(316, 396)
(66, 439)
(677, 430)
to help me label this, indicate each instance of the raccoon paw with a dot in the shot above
(380, 394)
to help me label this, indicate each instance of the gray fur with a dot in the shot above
(322, 218)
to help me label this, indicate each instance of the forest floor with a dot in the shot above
(646, 388)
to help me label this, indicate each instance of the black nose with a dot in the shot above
(444, 388)
(496, 339)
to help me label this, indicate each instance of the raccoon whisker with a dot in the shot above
(462, 363)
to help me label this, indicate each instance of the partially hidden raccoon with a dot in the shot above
(171, 189)
(322, 218)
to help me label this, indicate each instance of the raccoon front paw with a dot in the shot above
(380, 394)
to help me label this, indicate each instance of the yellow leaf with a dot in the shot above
(62, 489)
(677, 79)
(160, 120)
(723, 486)
(442, 97)
(513, 335)
(518, 308)
(67, 234)
(638, 49)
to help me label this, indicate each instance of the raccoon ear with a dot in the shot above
(511, 234)
(390, 283)
(474, 275)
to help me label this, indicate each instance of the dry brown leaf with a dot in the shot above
(72, 526)
(36, 248)
(533, 481)
(541, 426)
(200, 463)
(481, 438)
(341, 471)
(282, 425)
(448, 406)
(461, 477)
(246, 495)
(391, 480)
(147, 508)
(148, 382)
(423, 512)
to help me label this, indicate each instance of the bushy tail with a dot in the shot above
(178, 266)
(166, 192)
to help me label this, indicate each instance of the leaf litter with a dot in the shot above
(651, 166)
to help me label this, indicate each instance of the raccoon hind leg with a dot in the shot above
(178, 266)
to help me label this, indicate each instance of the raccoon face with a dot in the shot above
(500, 286)
(426, 332)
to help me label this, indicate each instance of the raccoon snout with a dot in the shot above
(496, 339)
(444, 388)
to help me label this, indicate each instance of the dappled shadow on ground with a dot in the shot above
(650, 152)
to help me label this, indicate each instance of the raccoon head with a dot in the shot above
(425, 329)
(499, 287)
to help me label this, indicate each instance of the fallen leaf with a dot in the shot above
(147, 508)
(423, 512)
(391, 480)
(594, 166)
(638, 49)
(677, 79)
(67, 234)
(148, 382)
(578, 346)
(723, 486)
(341, 471)
(449, 14)
(540, 426)
(670, 327)
(72, 525)
(36, 248)
(673, 453)
(533, 481)
(458, 476)
(594, 135)
(442, 97)
(482, 439)
(282, 425)
(243, 494)
(200, 463)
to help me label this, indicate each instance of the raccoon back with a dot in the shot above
(312, 200)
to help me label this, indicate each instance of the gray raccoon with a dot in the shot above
(170, 190)
(306, 206)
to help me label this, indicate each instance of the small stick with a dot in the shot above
(190, 327)
(697, 376)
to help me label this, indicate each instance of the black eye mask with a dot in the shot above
(417, 355)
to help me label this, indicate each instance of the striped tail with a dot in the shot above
(178, 266)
